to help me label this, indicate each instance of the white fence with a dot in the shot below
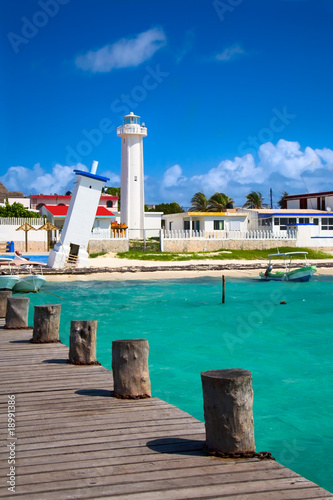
(230, 235)
(15, 221)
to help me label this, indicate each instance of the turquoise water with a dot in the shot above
(288, 349)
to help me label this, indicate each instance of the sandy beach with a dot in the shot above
(115, 269)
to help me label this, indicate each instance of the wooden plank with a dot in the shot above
(207, 484)
(75, 441)
(198, 474)
(47, 473)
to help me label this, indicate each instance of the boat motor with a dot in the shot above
(268, 270)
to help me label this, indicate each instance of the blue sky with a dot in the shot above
(236, 94)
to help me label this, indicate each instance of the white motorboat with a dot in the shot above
(21, 284)
(29, 283)
(302, 273)
(7, 281)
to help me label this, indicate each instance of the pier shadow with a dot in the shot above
(94, 392)
(19, 341)
(177, 446)
(56, 361)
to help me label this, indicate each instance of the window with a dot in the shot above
(292, 220)
(170, 225)
(265, 222)
(186, 225)
(218, 225)
(305, 220)
(316, 222)
(276, 221)
(327, 224)
(109, 203)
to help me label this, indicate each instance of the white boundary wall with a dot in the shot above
(37, 240)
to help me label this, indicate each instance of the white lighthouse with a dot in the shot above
(79, 220)
(132, 180)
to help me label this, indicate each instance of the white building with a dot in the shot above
(230, 220)
(311, 201)
(132, 179)
(56, 214)
(314, 227)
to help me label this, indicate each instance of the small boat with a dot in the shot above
(21, 284)
(7, 281)
(29, 283)
(303, 273)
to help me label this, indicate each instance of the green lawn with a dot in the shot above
(154, 255)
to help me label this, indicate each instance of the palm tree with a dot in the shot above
(283, 203)
(199, 203)
(219, 202)
(254, 200)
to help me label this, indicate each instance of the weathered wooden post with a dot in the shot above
(228, 401)
(223, 289)
(46, 324)
(82, 343)
(4, 294)
(17, 312)
(130, 368)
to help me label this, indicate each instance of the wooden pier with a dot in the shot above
(74, 441)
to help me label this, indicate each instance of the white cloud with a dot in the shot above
(230, 53)
(284, 167)
(114, 178)
(125, 53)
(36, 180)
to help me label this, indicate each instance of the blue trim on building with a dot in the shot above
(322, 237)
(305, 214)
(270, 216)
(300, 224)
(91, 176)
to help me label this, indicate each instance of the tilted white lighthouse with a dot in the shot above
(132, 180)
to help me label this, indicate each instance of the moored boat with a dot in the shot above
(29, 283)
(9, 280)
(303, 273)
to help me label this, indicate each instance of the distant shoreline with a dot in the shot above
(115, 269)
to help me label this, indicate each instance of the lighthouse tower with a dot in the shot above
(79, 220)
(132, 181)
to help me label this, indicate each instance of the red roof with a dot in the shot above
(51, 196)
(308, 195)
(61, 211)
(68, 197)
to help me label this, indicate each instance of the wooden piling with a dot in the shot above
(75, 443)
(82, 343)
(223, 289)
(4, 294)
(17, 312)
(130, 368)
(228, 401)
(46, 324)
